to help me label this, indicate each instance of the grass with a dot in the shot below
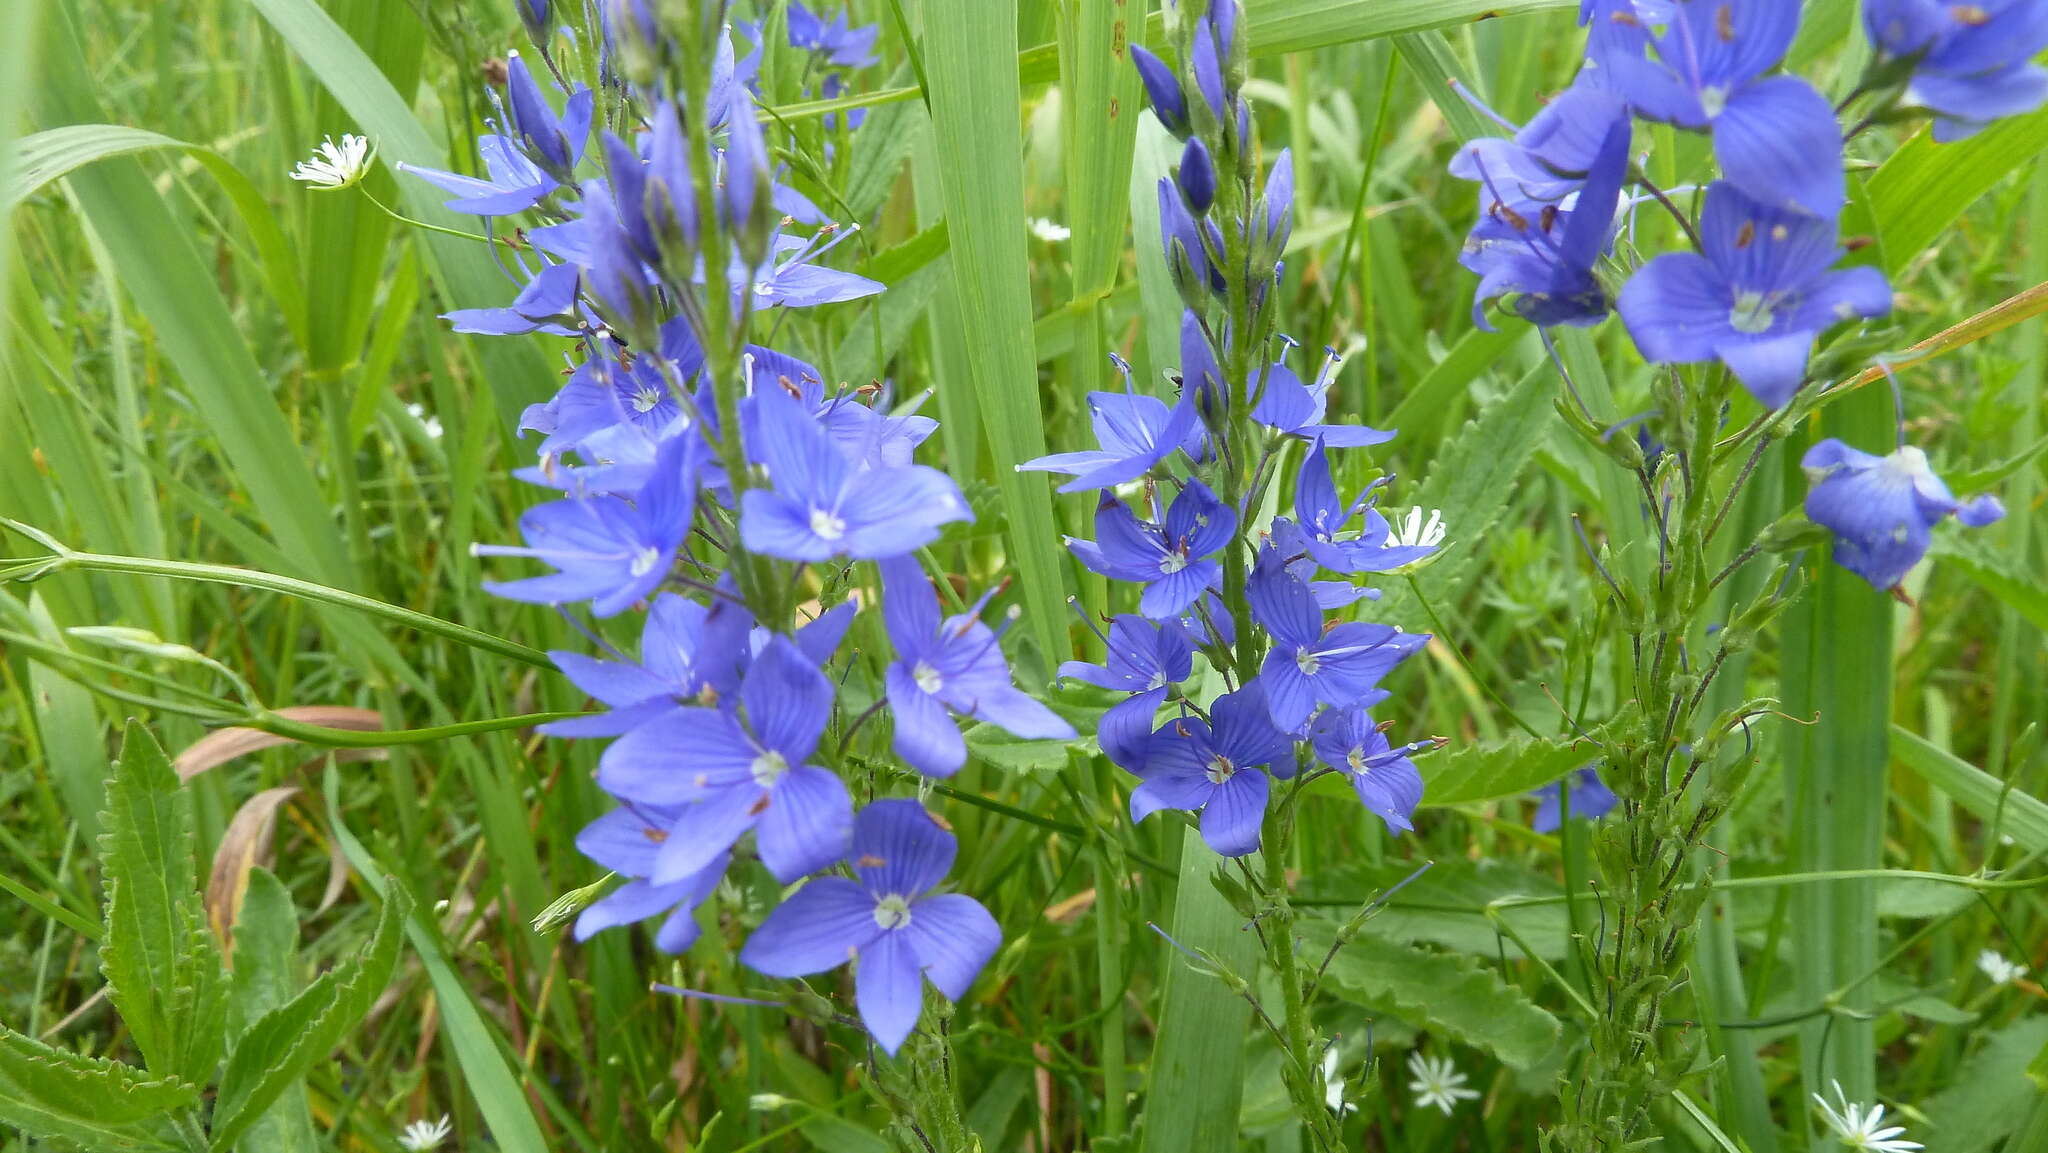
(203, 362)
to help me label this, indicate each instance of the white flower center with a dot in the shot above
(768, 768)
(645, 400)
(1356, 760)
(1904, 467)
(1713, 99)
(927, 677)
(1220, 769)
(644, 561)
(1307, 661)
(892, 912)
(1158, 681)
(827, 526)
(1173, 563)
(1752, 313)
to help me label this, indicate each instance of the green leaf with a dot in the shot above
(1988, 1096)
(162, 968)
(2020, 816)
(1925, 186)
(1299, 25)
(1446, 905)
(98, 1105)
(974, 99)
(285, 1042)
(1474, 478)
(1457, 996)
(265, 978)
(1506, 768)
(1995, 575)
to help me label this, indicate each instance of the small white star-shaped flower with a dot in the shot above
(1862, 1127)
(1438, 1082)
(1333, 1085)
(1412, 532)
(2000, 971)
(336, 165)
(421, 1136)
(1049, 231)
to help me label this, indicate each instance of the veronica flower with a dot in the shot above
(335, 166)
(820, 507)
(1135, 433)
(1162, 87)
(1550, 157)
(1386, 781)
(523, 167)
(1323, 515)
(886, 919)
(1174, 562)
(1591, 799)
(1214, 766)
(1774, 136)
(1862, 1127)
(791, 278)
(689, 654)
(608, 550)
(1286, 405)
(1882, 509)
(1438, 1083)
(628, 841)
(1144, 659)
(948, 666)
(1972, 63)
(607, 391)
(1340, 666)
(726, 771)
(547, 304)
(1755, 298)
(836, 41)
(1546, 259)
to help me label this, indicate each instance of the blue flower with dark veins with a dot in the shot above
(1135, 433)
(1776, 137)
(1386, 781)
(1143, 659)
(837, 41)
(820, 506)
(1340, 666)
(1546, 259)
(885, 919)
(1761, 290)
(1284, 404)
(947, 667)
(1882, 509)
(1323, 516)
(725, 771)
(1173, 561)
(627, 840)
(689, 655)
(1972, 63)
(1216, 767)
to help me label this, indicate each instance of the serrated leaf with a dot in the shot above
(1454, 995)
(1446, 906)
(266, 977)
(1995, 575)
(1474, 477)
(163, 971)
(1989, 1095)
(1503, 769)
(284, 1043)
(100, 1105)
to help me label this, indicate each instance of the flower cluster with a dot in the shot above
(721, 488)
(1763, 279)
(1268, 606)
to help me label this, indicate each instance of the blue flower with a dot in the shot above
(1385, 780)
(725, 771)
(1215, 766)
(867, 437)
(1288, 406)
(511, 183)
(627, 841)
(608, 390)
(840, 44)
(1775, 137)
(689, 653)
(1882, 509)
(1144, 659)
(1323, 515)
(1549, 158)
(886, 918)
(547, 304)
(821, 507)
(610, 551)
(792, 278)
(1136, 433)
(948, 666)
(555, 143)
(1340, 666)
(1591, 799)
(1172, 562)
(1546, 257)
(1755, 298)
(1169, 103)
(1972, 63)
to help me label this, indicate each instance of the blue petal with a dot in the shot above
(807, 824)
(926, 737)
(816, 928)
(1778, 141)
(1231, 819)
(952, 937)
(889, 989)
(899, 849)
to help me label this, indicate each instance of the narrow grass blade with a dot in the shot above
(1198, 1068)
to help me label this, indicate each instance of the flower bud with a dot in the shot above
(1169, 103)
(538, 18)
(1197, 176)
